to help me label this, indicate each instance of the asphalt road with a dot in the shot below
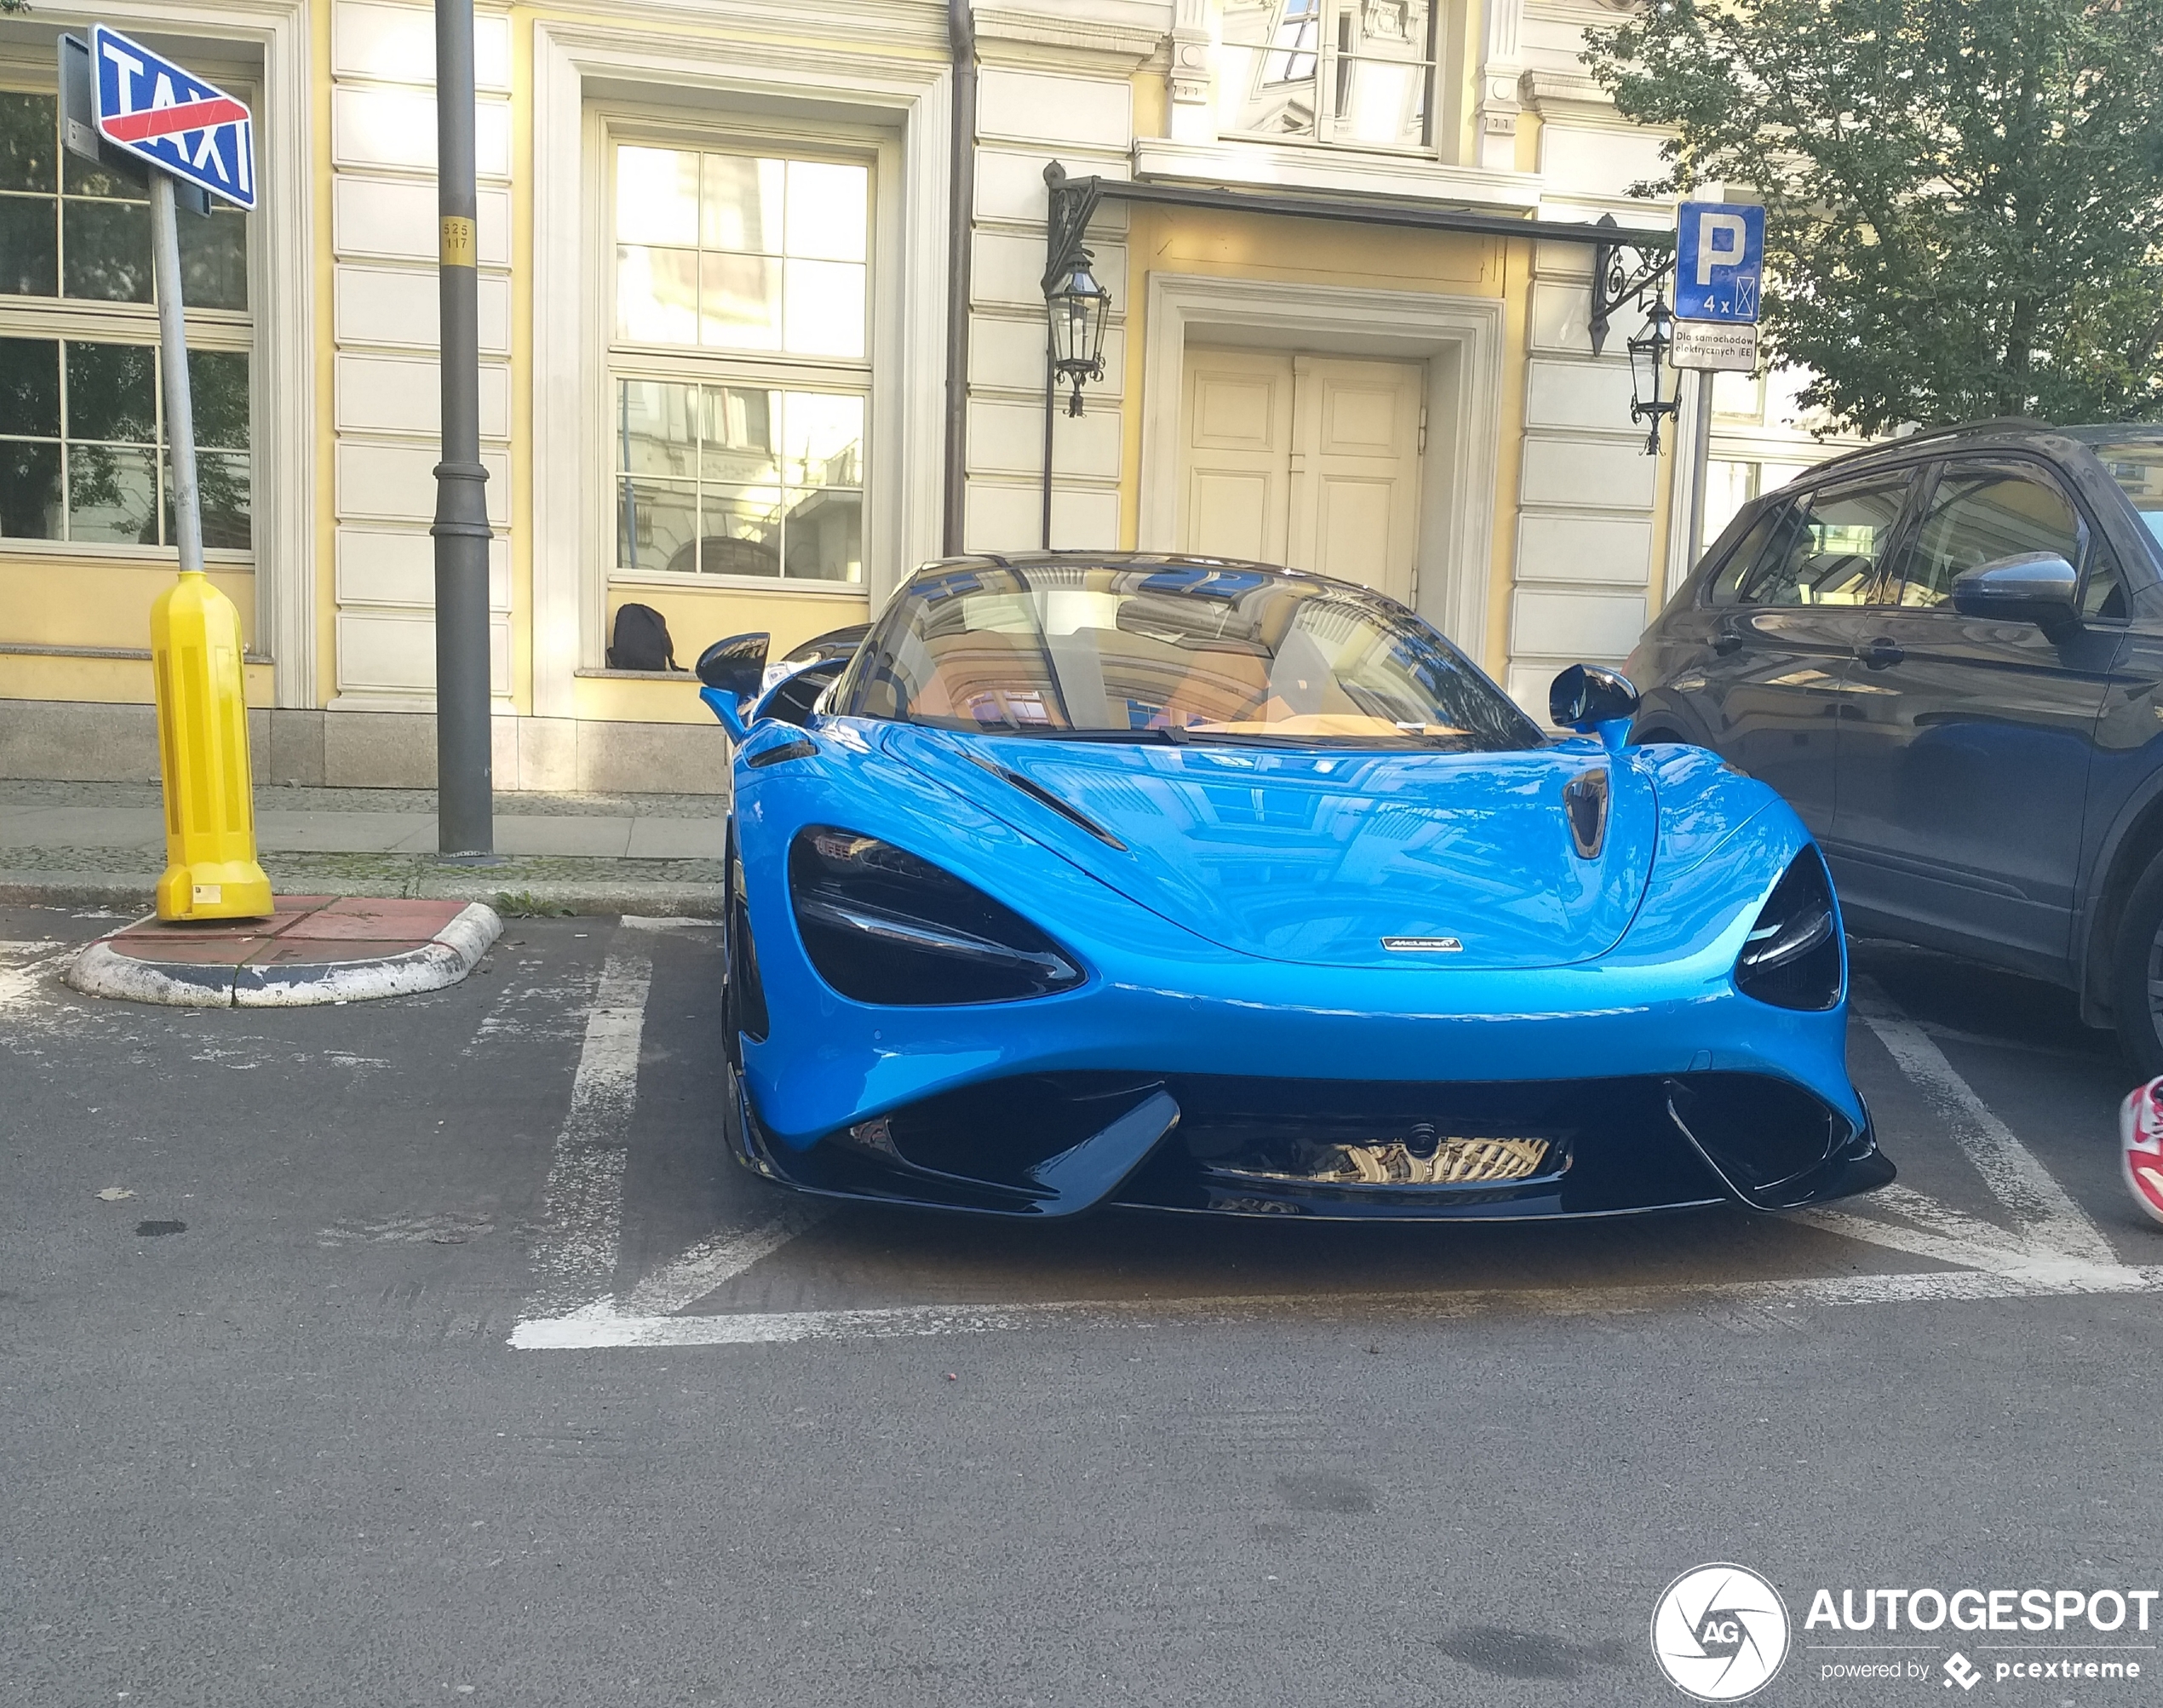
(437, 1355)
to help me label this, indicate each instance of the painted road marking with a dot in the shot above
(35, 958)
(574, 1256)
(2054, 1249)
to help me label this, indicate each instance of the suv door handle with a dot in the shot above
(1882, 652)
(1726, 643)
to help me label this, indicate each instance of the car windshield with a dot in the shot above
(1172, 651)
(2137, 465)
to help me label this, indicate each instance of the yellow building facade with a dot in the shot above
(718, 259)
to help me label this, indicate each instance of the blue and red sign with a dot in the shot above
(172, 119)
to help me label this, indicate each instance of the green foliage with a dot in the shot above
(523, 905)
(1964, 198)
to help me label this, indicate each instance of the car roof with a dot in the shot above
(2009, 433)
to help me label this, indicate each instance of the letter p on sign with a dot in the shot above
(1720, 241)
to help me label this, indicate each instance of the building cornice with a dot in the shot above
(1276, 166)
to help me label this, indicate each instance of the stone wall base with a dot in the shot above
(94, 742)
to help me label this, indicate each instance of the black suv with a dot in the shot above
(1947, 651)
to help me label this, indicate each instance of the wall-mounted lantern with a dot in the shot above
(1078, 307)
(1647, 372)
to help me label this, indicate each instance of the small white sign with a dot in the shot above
(1728, 346)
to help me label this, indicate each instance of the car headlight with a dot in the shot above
(1794, 957)
(882, 925)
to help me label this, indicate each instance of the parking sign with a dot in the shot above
(173, 119)
(1719, 259)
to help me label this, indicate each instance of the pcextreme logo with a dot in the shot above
(1720, 1632)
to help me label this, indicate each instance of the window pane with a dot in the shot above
(742, 204)
(30, 491)
(739, 435)
(827, 210)
(826, 537)
(1829, 553)
(742, 527)
(113, 494)
(29, 133)
(113, 392)
(654, 431)
(214, 260)
(218, 385)
(1975, 519)
(656, 524)
(107, 247)
(741, 307)
(825, 314)
(29, 256)
(825, 441)
(657, 196)
(81, 177)
(656, 295)
(30, 387)
(223, 500)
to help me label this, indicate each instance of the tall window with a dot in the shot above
(82, 405)
(1358, 73)
(740, 368)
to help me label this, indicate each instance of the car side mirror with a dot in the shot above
(732, 670)
(2034, 586)
(1589, 698)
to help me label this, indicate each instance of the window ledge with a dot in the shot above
(27, 649)
(736, 584)
(1326, 166)
(640, 675)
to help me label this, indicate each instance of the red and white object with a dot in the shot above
(2140, 1133)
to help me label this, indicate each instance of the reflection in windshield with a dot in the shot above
(2137, 465)
(1174, 652)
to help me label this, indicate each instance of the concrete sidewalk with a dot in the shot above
(104, 844)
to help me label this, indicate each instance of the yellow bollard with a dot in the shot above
(210, 870)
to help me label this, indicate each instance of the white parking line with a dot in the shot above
(35, 957)
(574, 1257)
(2043, 1214)
(719, 1258)
(2053, 1249)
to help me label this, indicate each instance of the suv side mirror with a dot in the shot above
(2034, 586)
(1590, 697)
(732, 670)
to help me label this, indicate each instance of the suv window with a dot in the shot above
(1726, 587)
(1828, 545)
(1978, 515)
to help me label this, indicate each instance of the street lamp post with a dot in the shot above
(465, 804)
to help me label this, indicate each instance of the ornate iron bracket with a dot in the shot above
(1073, 205)
(1622, 272)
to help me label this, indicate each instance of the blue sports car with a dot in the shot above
(1189, 884)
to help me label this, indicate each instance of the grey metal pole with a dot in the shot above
(465, 808)
(1051, 407)
(1701, 457)
(172, 342)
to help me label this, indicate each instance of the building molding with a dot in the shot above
(1461, 338)
(576, 68)
(1119, 39)
(1329, 168)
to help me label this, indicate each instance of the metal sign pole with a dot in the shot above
(465, 806)
(1701, 459)
(172, 342)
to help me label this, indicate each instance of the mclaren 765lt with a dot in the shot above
(1189, 884)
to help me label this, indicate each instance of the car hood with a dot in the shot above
(1320, 856)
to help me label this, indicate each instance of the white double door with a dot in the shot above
(1308, 461)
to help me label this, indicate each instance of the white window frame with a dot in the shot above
(761, 82)
(767, 369)
(272, 67)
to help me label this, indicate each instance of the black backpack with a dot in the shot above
(642, 640)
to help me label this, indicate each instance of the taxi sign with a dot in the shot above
(171, 119)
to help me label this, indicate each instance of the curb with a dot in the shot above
(138, 891)
(101, 970)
